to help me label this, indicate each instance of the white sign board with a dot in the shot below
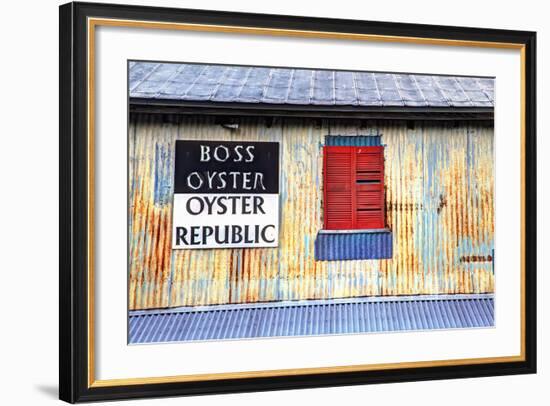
(226, 194)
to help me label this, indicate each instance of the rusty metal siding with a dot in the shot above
(439, 185)
(439, 204)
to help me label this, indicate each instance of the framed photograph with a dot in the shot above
(258, 202)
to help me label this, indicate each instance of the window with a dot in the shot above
(354, 203)
(353, 187)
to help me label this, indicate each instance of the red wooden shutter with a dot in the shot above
(370, 187)
(353, 187)
(338, 188)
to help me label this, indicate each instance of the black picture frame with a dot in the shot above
(74, 380)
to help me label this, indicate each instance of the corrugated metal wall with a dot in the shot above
(439, 199)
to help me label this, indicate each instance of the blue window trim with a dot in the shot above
(353, 140)
(353, 245)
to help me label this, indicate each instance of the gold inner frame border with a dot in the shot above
(95, 22)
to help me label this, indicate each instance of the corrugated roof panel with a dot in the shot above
(230, 85)
(205, 84)
(304, 87)
(389, 92)
(300, 87)
(409, 91)
(323, 87)
(360, 315)
(367, 89)
(158, 78)
(138, 72)
(468, 84)
(218, 83)
(431, 93)
(278, 86)
(345, 93)
(453, 91)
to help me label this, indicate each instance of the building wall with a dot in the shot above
(439, 200)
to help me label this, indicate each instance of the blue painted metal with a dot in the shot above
(353, 141)
(216, 83)
(353, 245)
(315, 318)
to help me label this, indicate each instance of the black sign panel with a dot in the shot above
(204, 167)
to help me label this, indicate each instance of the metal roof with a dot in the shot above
(304, 87)
(319, 317)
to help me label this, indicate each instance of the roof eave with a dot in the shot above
(186, 107)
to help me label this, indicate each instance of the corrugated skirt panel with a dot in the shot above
(439, 205)
(280, 320)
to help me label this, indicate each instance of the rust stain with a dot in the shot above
(476, 258)
(442, 203)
